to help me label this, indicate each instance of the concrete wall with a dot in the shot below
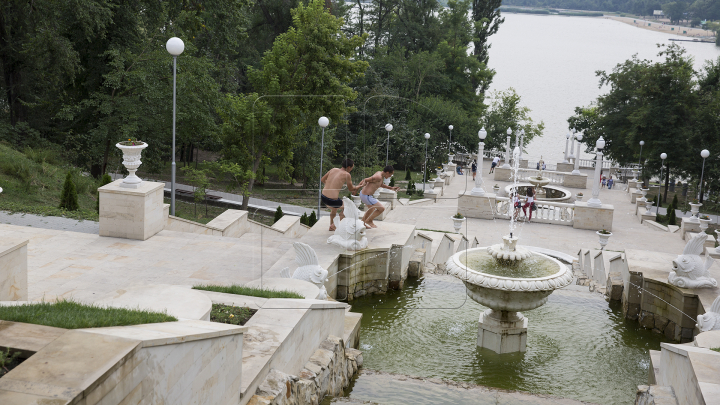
(290, 226)
(662, 306)
(399, 259)
(502, 174)
(13, 270)
(575, 181)
(593, 218)
(423, 241)
(363, 272)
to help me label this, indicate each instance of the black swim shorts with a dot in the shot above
(331, 202)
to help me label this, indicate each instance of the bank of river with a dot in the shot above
(578, 346)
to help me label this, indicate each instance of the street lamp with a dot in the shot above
(478, 189)
(704, 154)
(640, 160)
(323, 122)
(579, 138)
(507, 150)
(595, 200)
(175, 47)
(450, 127)
(388, 128)
(567, 142)
(522, 138)
(663, 156)
(427, 136)
(572, 144)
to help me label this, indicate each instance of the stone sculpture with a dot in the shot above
(350, 232)
(309, 268)
(711, 319)
(689, 271)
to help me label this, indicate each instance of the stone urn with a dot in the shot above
(648, 206)
(458, 223)
(635, 173)
(496, 189)
(579, 197)
(451, 156)
(644, 192)
(694, 210)
(132, 152)
(704, 223)
(356, 200)
(604, 237)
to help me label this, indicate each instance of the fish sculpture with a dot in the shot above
(689, 270)
(711, 319)
(350, 232)
(309, 268)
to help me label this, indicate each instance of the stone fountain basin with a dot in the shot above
(538, 182)
(506, 293)
(566, 195)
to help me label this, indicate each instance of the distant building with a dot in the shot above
(658, 13)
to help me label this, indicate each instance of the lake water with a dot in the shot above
(551, 61)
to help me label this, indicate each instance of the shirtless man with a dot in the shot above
(372, 183)
(334, 180)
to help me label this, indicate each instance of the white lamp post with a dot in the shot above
(323, 122)
(388, 128)
(520, 144)
(663, 156)
(427, 136)
(478, 189)
(507, 150)
(579, 138)
(595, 200)
(572, 144)
(450, 127)
(704, 154)
(567, 142)
(175, 47)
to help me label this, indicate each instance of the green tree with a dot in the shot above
(278, 214)
(200, 182)
(507, 112)
(69, 197)
(487, 19)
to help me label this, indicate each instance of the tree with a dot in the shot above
(199, 179)
(312, 219)
(487, 20)
(675, 11)
(506, 112)
(304, 219)
(69, 197)
(278, 214)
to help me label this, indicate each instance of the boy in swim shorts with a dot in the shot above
(372, 183)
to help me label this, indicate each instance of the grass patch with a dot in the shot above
(69, 314)
(249, 291)
(717, 349)
(228, 314)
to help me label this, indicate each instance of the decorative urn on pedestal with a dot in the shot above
(458, 220)
(579, 196)
(496, 189)
(694, 210)
(132, 151)
(603, 236)
(704, 222)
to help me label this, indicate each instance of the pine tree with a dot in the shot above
(304, 219)
(312, 219)
(278, 214)
(658, 200)
(408, 175)
(69, 197)
(675, 201)
(671, 216)
(392, 182)
(106, 179)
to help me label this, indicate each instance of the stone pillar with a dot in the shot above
(13, 270)
(572, 147)
(577, 160)
(595, 200)
(565, 158)
(478, 189)
(131, 213)
(507, 154)
(502, 331)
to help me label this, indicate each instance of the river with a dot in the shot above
(551, 62)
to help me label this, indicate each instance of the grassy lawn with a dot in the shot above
(229, 314)
(249, 291)
(69, 314)
(32, 183)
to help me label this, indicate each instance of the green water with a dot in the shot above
(577, 347)
(534, 266)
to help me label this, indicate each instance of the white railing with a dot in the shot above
(590, 163)
(555, 177)
(547, 212)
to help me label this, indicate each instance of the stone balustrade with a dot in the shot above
(547, 212)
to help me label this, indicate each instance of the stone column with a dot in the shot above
(478, 189)
(595, 200)
(577, 160)
(567, 142)
(572, 148)
(507, 154)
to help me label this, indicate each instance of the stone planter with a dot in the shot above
(131, 161)
(604, 237)
(694, 210)
(457, 224)
(496, 189)
(635, 173)
(450, 158)
(704, 224)
(579, 197)
(644, 192)
(648, 206)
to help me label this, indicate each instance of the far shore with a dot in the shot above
(666, 28)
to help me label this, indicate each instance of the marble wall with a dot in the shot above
(13, 270)
(593, 218)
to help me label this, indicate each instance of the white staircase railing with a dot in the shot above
(547, 212)
(590, 163)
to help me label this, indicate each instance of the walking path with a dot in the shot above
(56, 223)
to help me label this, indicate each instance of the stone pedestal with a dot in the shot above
(689, 225)
(565, 167)
(13, 270)
(502, 331)
(439, 183)
(388, 196)
(640, 212)
(633, 184)
(131, 213)
(634, 195)
(710, 252)
(575, 181)
(473, 206)
(452, 167)
(593, 218)
(502, 174)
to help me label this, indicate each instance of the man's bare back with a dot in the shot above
(334, 181)
(372, 183)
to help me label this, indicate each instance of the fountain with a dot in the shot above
(507, 279)
(539, 182)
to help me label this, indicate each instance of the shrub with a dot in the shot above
(312, 219)
(671, 216)
(69, 197)
(675, 201)
(408, 175)
(392, 182)
(304, 219)
(278, 214)
(658, 200)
